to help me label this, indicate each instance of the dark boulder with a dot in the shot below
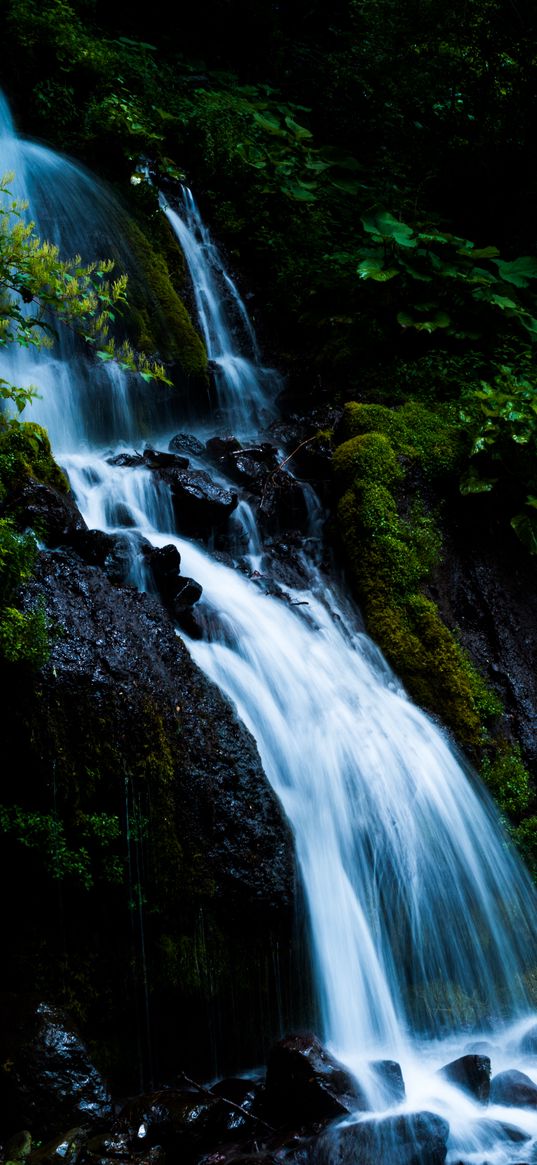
(471, 1073)
(93, 546)
(388, 1074)
(164, 563)
(188, 592)
(305, 1083)
(186, 443)
(53, 515)
(283, 505)
(159, 459)
(119, 721)
(176, 1118)
(46, 1078)
(199, 502)
(126, 460)
(418, 1138)
(514, 1089)
(249, 466)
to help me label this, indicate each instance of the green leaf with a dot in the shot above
(471, 483)
(374, 269)
(525, 527)
(269, 122)
(519, 271)
(300, 132)
(382, 223)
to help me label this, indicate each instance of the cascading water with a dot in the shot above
(422, 919)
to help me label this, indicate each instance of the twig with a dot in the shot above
(231, 1103)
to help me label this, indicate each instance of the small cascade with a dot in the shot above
(245, 390)
(423, 922)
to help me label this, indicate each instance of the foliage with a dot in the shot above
(502, 419)
(444, 281)
(23, 634)
(38, 290)
(82, 858)
(392, 547)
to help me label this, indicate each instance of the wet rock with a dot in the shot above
(119, 514)
(283, 505)
(186, 443)
(46, 1076)
(471, 1073)
(528, 1043)
(93, 546)
(221, 447)
(306, 1083)
(249, 466)
(177, 1119)
(496, 1130)
(188, 592)
(389, 1075)
(246, 1097)
(418, 1138)
(126, 460)
(120, 560)
(158, 459)
(514, 1089)
(65, 1149)
(122, 703)
(199, 502)
(19, 1146)
(164, 563)
(54, 516)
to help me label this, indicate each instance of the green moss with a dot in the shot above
(392, 546)
(161, 320)
(508, 779)
(370, 456)
(414, 431)
(25, 452)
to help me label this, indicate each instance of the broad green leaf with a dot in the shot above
(373, 269)
(299, 131)
(519, 271)
(382, 223)
(268, 122)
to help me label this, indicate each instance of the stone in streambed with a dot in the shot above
(306, 1083)
(186, 443)
(390, 1077)
(46, 1077)
(513, 1089)
(53, 515)
(418, 1138)
(159, 459)
(199, 502)
(471, 1073)
(188, 592)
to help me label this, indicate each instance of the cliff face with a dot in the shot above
(149, 863)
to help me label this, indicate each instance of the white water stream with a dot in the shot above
(423, 922)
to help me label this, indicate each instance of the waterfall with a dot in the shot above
(423, 921)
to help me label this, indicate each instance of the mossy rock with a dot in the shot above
(414, 431)
(369, 457)
(161, 321)
(25, 452)
(392, 542)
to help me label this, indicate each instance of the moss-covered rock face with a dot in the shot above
(161, 321)
(388, 467)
